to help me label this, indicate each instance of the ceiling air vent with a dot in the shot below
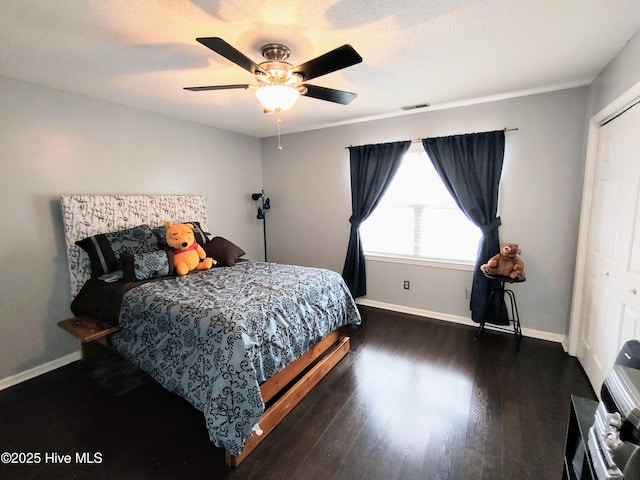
(415, 107)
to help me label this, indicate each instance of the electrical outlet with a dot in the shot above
(407, 284)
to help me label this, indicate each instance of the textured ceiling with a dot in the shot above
(444, 52)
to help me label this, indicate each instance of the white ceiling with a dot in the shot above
(445, 52)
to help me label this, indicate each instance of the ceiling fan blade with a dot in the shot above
(329, 94)
(217, 87)
(230, 53)
(341, 57)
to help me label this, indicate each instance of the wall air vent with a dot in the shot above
(415, 107)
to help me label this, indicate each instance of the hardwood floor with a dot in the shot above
(415, 399)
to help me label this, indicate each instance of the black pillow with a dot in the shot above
(104, 249)
(223, 251)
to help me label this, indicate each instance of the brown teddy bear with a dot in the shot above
(506, 263)
(188, 255)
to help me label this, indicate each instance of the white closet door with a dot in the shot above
(612, 285)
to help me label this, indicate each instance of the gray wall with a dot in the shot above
(308, 182)
(622, 73)
(52, 143)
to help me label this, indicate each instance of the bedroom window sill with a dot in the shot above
(433, 263)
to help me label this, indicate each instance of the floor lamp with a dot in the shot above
(262, 210)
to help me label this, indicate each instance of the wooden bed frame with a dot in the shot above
(86, 215)
(326, 354)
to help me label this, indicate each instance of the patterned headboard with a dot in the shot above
(87, 215)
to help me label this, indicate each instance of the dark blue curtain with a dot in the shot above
(470, 166)
(372, 168)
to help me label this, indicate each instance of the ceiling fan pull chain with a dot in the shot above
(279, 121)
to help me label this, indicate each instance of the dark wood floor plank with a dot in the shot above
(414, 399)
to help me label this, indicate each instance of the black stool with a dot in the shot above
(514, 318)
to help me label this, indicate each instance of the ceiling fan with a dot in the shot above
(279, 84)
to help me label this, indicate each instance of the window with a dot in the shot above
(418, 218)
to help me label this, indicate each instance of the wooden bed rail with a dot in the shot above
(332, 349)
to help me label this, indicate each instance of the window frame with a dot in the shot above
(451, 264)
(421, 262)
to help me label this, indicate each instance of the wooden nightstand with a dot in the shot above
(87, 330)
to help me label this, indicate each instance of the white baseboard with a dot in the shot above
(526, 332)
(39, 370)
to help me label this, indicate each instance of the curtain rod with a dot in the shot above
(506, 129)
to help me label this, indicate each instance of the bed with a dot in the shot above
(229, 340)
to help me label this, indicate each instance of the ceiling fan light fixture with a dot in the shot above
(277, 97)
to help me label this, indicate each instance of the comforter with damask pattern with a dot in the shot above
(213, 336)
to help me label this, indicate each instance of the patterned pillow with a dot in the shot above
(142, 266)
(104, 249)
(225, 252)
(161, 234)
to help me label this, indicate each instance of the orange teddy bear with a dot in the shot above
(188, 255)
